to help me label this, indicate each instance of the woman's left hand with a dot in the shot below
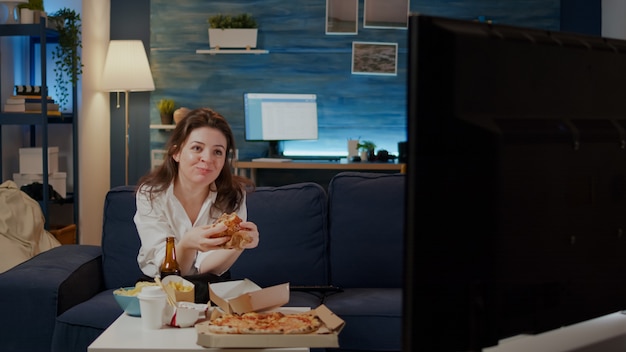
(252, 231)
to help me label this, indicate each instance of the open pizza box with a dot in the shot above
(242, 296)
(326, 336)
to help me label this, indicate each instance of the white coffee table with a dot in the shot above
(127, 334)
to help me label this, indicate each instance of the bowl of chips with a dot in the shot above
(126, 297)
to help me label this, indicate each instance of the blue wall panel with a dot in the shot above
(301, 59)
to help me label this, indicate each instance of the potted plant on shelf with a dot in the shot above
(31, 11)
(226, 31)
(66, 56)
(367, 149)
(166, 109)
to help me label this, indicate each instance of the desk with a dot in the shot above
(127, 334)
(252, 166)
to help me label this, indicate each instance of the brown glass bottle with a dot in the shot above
(170, 265)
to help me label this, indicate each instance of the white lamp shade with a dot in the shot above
(126, 67)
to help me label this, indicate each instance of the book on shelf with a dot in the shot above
(15, 101)
(14, 107)
(50, 113)
(37, 106)
(30, 98)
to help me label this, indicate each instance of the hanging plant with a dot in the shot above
(66, 56)
(35, 5)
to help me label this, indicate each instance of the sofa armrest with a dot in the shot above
(33, 293)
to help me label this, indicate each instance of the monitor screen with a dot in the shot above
(516, 179)
(280, 117)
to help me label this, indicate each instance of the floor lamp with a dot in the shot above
(126, 69)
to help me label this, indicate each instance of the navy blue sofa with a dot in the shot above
(350, 237)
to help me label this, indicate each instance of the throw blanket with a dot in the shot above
(22, 233)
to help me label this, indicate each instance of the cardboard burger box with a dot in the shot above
(244, 296)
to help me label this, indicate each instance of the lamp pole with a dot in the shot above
(126, 105)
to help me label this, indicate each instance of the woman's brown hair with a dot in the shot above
(230, 188)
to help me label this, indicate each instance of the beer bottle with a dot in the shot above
(170, 265)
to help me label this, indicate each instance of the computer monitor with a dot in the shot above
(516, 182)
(275, 117)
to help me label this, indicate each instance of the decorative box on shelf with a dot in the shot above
(31, 160)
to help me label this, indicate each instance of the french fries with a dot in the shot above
(134, 291)
(180, 286)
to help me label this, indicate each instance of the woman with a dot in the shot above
(185, 195)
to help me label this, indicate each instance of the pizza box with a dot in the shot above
(242, 296)
(325, 337)
(172, 282)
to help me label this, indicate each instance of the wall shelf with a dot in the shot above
(231, 51)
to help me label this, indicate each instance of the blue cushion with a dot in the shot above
(79, 326)
(304, 299)
(120, 240)
(366, 224)
(375, 310)
(293, 237)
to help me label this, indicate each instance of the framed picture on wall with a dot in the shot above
(372, 58)
(342, 16)
(157, 157)
(386, 14)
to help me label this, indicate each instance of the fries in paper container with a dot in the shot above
(179, 288)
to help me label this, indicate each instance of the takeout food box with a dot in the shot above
(242, 296)
(326, 336)
(179, 288)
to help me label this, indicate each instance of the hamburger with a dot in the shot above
(238, 237)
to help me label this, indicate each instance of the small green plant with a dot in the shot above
(35, 5)
(66, 55)
(166, 106)
(366, 146)
(221, 21)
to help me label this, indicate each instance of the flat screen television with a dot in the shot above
(516, 182)
(276, 117)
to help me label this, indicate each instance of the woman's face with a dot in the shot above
(201, 157)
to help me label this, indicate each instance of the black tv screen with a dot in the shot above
(516, 182)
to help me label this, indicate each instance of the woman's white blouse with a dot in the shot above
(165, 216)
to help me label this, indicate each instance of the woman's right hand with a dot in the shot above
(201, 237)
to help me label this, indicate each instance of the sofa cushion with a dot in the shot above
(373, 318)
(293, 238)
(366, 224)
(120, 240)
(79, 326)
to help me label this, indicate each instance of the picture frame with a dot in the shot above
(392, 14)
(375, 58)
(342, 17)
(157, 157)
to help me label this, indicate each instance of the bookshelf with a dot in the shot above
(40, 34)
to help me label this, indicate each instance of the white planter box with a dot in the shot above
(233, 38)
